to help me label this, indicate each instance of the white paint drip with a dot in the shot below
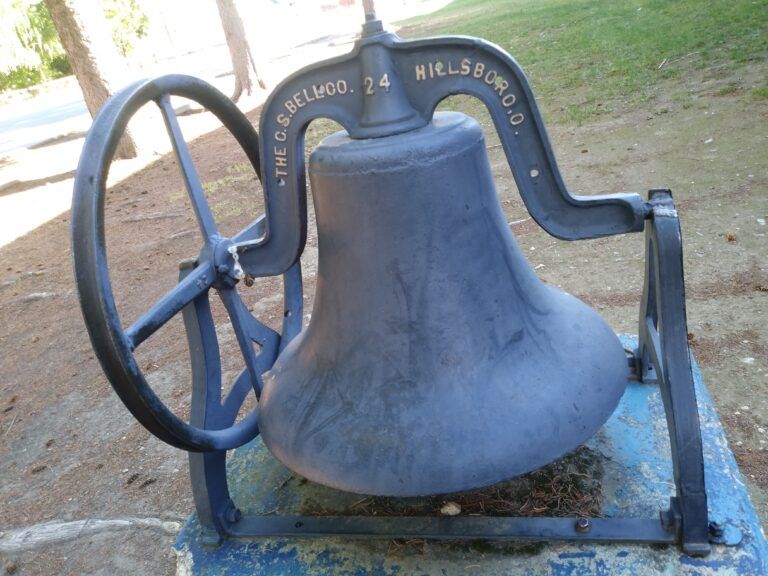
(31, 537)
(664, 211)
(184, 562)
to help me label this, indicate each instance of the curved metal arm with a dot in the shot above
(664, 349)
(386, 86)
(437, 68)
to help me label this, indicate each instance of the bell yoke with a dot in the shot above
(435, 359)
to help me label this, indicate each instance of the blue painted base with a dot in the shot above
(637, 482)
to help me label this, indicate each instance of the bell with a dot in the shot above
(435, 359)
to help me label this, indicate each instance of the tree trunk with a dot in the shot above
(85, 36)
(239, 50)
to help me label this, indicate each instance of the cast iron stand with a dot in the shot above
(419, 75)
(662, 358)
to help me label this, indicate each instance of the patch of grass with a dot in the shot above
(578, 53)
(235, 173)
(238, 172)
(760, 93)
(240, 168)
(224, 210)
(727, 90)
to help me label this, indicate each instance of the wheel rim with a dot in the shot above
(216, 267)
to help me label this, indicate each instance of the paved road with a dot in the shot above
(36, 120)
(60, 108)
(43, 173)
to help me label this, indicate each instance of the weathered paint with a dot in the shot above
(637, 482)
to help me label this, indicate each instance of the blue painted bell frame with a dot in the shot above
(385, 87)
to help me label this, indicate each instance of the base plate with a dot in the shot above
(633, 447)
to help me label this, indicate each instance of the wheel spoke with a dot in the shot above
(191, 179)
(252, 233)
(195, 284)
(249, 330)
(237, 394)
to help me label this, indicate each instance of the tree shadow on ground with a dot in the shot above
(24, 185)
(59, 139)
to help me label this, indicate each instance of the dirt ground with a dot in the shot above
(70, 451)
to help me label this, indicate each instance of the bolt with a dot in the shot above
(716, 529)
(237, 268)
(223, 269)
(583, 525)
(249, 280)
(233, 515)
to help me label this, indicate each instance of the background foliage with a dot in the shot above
(30, 51)
(129, 23)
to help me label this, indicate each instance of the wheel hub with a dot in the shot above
(226, 262)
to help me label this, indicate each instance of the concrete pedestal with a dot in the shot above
(637, 482)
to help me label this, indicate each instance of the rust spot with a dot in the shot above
(148, 482)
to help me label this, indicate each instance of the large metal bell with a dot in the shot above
(435, 359)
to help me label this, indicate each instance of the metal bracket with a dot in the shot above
(663, 347)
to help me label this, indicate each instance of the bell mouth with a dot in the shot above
(435, 360)
(471, 426)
